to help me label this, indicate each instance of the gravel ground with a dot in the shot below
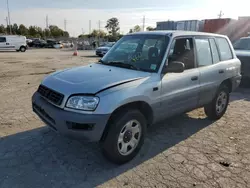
(184, 151)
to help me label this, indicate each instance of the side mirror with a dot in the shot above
(175, 67)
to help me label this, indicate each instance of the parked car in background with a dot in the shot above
(101, 51)
(115, 100)
(38, 43)
(13, 42)
(67, 44)
(242, 50)
(50, 43)
(58, 45)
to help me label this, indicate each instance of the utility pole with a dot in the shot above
(47, 22)
(65, 24)
(9, 15)
(143, 24)
(220, 14)
(82, 31)
(99, 26)
(6, 19)
(89, 26)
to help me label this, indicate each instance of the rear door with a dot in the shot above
(210, 69)
(2, 43)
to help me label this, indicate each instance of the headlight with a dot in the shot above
(87, 103)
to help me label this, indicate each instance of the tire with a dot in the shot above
(17, 50)
(22, 49)
(221, 100)
(112, 145)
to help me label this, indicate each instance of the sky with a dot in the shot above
(77, 13)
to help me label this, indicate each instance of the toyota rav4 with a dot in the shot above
(144, 78)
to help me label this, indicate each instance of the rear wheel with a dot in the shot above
(125, 137)
(217, 108)
(22, 49)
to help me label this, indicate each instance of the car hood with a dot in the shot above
(91, 79)
(241, 53)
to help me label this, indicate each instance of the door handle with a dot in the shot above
(194, 78)
(7, 43)
(221, 71)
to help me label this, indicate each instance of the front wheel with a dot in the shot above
(217, 108)
(22, 49)
(125, 137)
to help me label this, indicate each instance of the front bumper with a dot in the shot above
(236, 82)
(61, 120)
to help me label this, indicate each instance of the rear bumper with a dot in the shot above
(236, 82)
(76, 125)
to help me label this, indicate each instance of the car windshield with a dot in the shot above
(242, 44)
(141, 51)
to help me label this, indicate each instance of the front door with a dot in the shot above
(180, 91)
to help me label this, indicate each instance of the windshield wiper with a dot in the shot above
(121, 64)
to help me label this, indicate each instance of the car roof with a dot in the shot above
(176, 33)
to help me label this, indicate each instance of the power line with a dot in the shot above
(9, 15)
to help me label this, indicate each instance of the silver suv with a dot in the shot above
(144, 78)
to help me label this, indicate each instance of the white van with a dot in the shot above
(13, 42)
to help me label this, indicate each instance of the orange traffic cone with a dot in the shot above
(75, 53)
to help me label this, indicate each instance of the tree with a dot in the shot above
(55, 31)
(113, 26)
(47, 33)
(137, 28)
(23, 30)
(149, 28)
(66, 34)
(131, 31)
(15, 29)
(102, 34)
(2, 29)
(94, 33)
(33, 31)
(40, 31)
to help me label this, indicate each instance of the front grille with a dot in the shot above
(53, 96)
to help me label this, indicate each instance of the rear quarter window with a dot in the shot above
(224, 49)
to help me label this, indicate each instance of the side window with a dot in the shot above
(182, 50)
(2, 39)
(215, 53)
(224, 48)
(203, 52)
